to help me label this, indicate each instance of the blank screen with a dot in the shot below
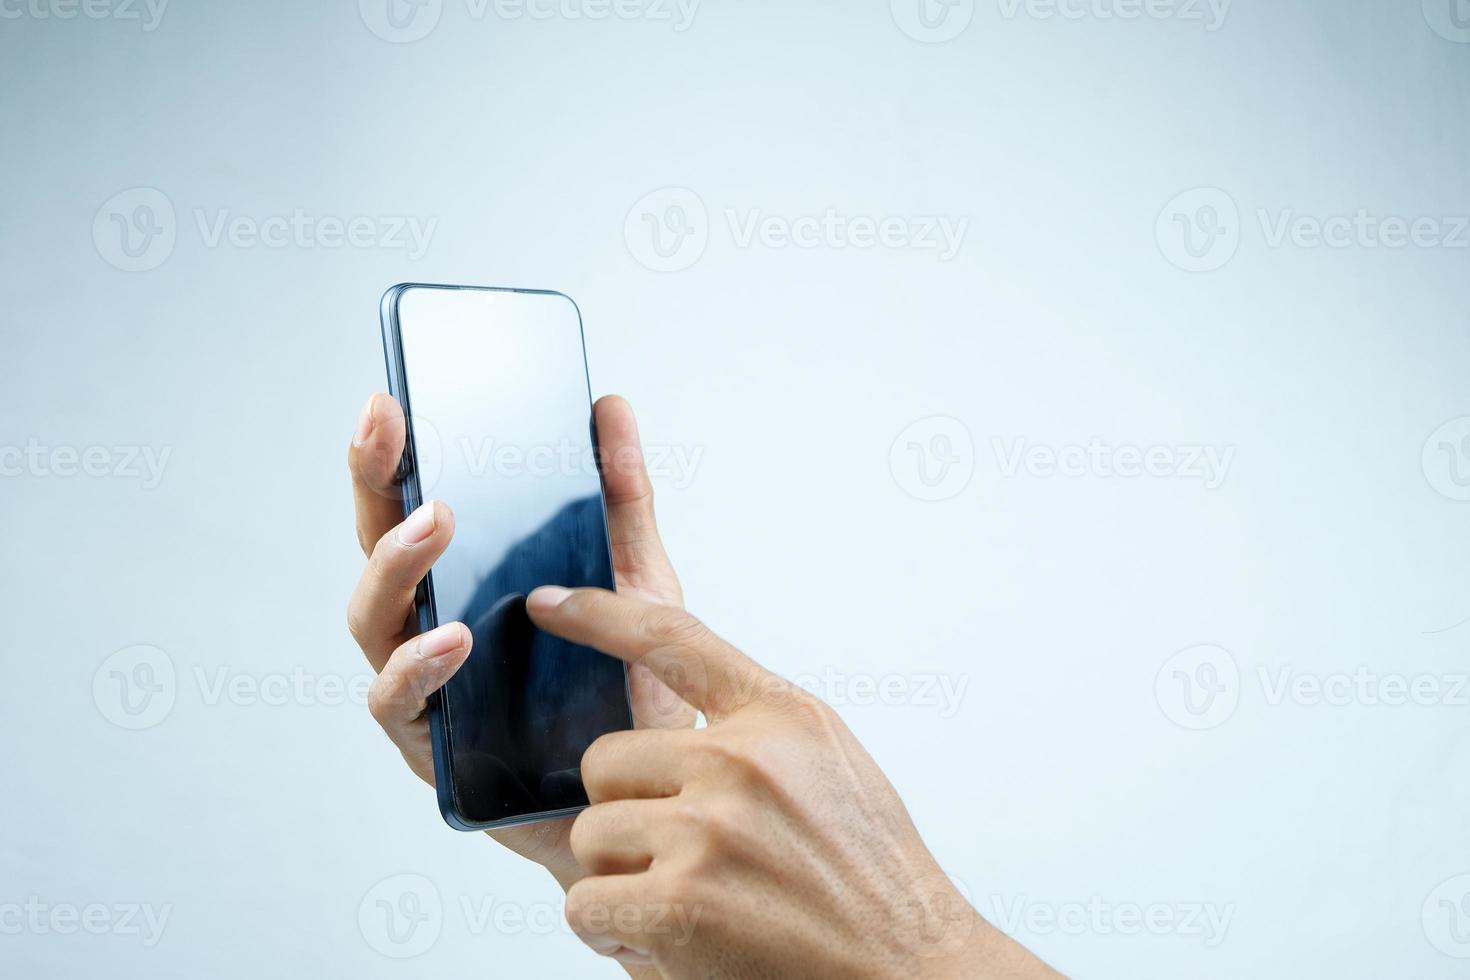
(501, 417)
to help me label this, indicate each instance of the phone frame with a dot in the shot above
(440, 729)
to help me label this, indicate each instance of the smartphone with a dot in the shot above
(493, 384)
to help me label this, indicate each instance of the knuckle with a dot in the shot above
(589, 916)
(386, 565)
(595, 757)
(714, 755)
(357, 619)
(715, 829)
(799, 705)
(583, 835)
(380, 702)
(674, 627)
(745, 760)
(722, 832)
(810, 710)
(689, 814)
(823, 722)
(760, 754)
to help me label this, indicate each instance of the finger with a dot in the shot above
(678, 649)
(399, 694)
(619, 837)
(607, 913)
(373, 458)
(378, 612)
(637, 551)
(645, 763)
(654, 705)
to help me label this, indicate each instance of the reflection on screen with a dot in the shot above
(502, 429)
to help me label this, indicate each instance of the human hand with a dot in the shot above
(768, 844)
(400, 553)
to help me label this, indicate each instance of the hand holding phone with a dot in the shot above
(402, 552)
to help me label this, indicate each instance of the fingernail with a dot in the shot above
(438, 642)
(418, 526)
(548, 597)
(364, 423)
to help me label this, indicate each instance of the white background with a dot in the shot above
(1334, 542)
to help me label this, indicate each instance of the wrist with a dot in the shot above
(953, 941)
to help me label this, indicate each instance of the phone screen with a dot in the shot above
(501, 423)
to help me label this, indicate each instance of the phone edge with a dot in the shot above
(423, 598)
(424, 609)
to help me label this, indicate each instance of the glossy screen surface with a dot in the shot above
(501, 416)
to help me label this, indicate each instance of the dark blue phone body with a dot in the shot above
(499, 425)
